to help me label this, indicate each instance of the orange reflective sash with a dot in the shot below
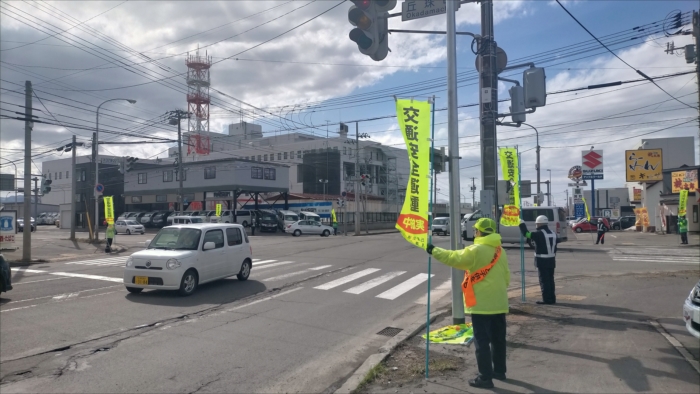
(476, 277)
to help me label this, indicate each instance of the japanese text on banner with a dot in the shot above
(509, 166)
(218, 209)
(109, 209)
(414, 121)
(682, 202)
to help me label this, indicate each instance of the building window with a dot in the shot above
(345, 150)
(265, 157)
(298, 154)
(291, 155)
(67, 174)
(285, 155)
(184, 175)
(247, 157)
(335, 148)
(259, 157)
(55, 176)
(136, 199)
(272, 157)
(167, 176)
(350, 152)
(279, 155)
(270, 174)
(142, 178)
(300, 173)
(256, 172)
(82, 175)
(161, 198)
(60, 175)
(210, 172)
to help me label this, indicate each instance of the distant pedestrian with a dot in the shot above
(602, 229)
(485, 291)
(545, 256)
(109, 235)
(335, 222)
(683, 229)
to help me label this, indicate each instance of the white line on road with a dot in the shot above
(297, 273)
(397, 291)
(86, 276)
(675, 343)
(346, 279)
(35, 281)
(16, 309)
(276, 265)
(59, 295)
(370, 284)
(646, 260)
(436, 294)
(65, 296)
(27, 270)
(263, 262)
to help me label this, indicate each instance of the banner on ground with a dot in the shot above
(218, 209)
(414, 121)
(585, 205)
(682, 202)
(458, 334)
(509, 166)
(642, 217)
(109, 209)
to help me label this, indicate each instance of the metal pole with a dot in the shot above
(593, 197)
(453, 146)
(73, 190)
(522, 239)
(179, 164)
(96, 220)
(696, 32)
(36, 199)
(27, 239)
(549, 189)
(488, 108)
(357, 178)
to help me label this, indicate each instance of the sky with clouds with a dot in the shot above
(290, 66)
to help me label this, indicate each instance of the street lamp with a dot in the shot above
(97, 158)
(324, 182)
(549, 194)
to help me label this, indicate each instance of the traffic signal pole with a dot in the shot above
(357, 178)
(27, 238)
(73, 189)
(488, 109)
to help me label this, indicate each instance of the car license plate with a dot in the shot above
(141, 280)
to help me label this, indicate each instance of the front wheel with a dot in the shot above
(134, 290)
(128, 232)
(326, 233)
(188, 284)
(578, 229)
(244, 273)
(297, 233)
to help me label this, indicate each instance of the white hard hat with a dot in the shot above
(541, 220)
(600, 219)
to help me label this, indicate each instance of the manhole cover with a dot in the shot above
(390, 331)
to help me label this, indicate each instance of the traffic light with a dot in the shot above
(371, 32)
(517, 104)
(122, 164)
(45, 186)
(130, 163)
(534, 87)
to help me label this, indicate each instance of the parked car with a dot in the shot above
(441, 226)
(308, 227)
(305, 215)
(589, 226)
(175, 219)
(146, 219)
(20, 224)
(129, 227)
(691, 311)
(43, 218)
(124, 215)
(160, 219)
(555, 215)
(623, 222)
(286, 218)
(574, 221)
(5, 275)
(267, 220)
(182, 257)
(58, 223)
(210, 217)
(244, 217)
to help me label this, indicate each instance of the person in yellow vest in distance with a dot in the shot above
(485, 290)
(109, 235)
(683, 229)
(334, 222)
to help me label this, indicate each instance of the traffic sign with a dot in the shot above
(579, 210)
(416, 9)
(99, 188)
(343, 194)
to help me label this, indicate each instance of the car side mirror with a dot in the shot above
(209, 246)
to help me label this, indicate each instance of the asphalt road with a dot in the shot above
(301, 323)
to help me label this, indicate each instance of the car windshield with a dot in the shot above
(131, 222)
(196, 220)
(439, 221)
(176, 239)
(290, 218)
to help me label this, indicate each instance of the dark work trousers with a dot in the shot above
(490, 344)
(684, 238)
(601, 238)
(109, 245)
(547, 284)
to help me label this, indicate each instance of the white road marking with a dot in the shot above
(16, 309)
(105, 261)
(297, 273)
(370, 284)
(263, 262)
(436, 294)
(346, 279)
(676, 344)
(397, 291)
(35, 281)
(255, 267)
(660, 261)
(65, 296)
(86, 276)
(59, 295)
(27, 270)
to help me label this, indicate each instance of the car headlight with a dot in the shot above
(129, 262)
(172, 264)
(693, 293)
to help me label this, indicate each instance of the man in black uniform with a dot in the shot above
(545, 251)
(602, 229)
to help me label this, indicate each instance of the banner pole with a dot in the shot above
(522, 239)
(430, 237)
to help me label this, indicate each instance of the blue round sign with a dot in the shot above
(343, 194)
(99, 188)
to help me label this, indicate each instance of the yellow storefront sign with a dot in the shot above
(684, 180)
(218, 209)
(414, 121)
(509, 166)
(682, 202)
(643, 165)
(109, 209)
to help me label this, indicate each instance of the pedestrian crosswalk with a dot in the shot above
(656, 255)
(110, 261)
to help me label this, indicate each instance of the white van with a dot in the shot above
(286, 218)
(557, 223)
(186, 219)
(303, 215)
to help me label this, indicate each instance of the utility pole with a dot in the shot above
(357, 178)
(488, 109)
(74, 185)
(94, 194)
(696, 33)
(28, 124)
(568, 211)
(453, 147)
(180, 174)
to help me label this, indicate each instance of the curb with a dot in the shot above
(353, 382)
(378, 233)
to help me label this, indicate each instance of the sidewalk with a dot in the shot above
(602, 336)
(64, 249)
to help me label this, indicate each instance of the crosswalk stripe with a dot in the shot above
(657, 258)
(263, 262)
(396, 291)
(661, 252)
(255, 267)
(296, 273)
(86, 276)
(112, 261)
(436, 294)
(101, 264)
(100, 260)
(646, 260)
(346, 279)
(370, 284)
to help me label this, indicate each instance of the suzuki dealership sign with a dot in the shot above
(592, 164)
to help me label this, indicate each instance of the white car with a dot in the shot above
(308, 227)
(182, 257)
(691, 311)
(128, 227)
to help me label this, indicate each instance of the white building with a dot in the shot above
(60, 172)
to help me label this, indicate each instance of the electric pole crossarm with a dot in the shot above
(521, 65)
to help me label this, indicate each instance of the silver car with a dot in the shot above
(129, 227)
(308, 227)
(441, 226)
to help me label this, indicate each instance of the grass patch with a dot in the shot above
(374, 373)
(437, 366)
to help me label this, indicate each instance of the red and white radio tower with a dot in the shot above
(198, 100)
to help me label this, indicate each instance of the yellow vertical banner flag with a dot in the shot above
(509, 166)
(218, 209)
(682, 202)
(414, 121)
(333, 220)
(585, 205)
(109, 209)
